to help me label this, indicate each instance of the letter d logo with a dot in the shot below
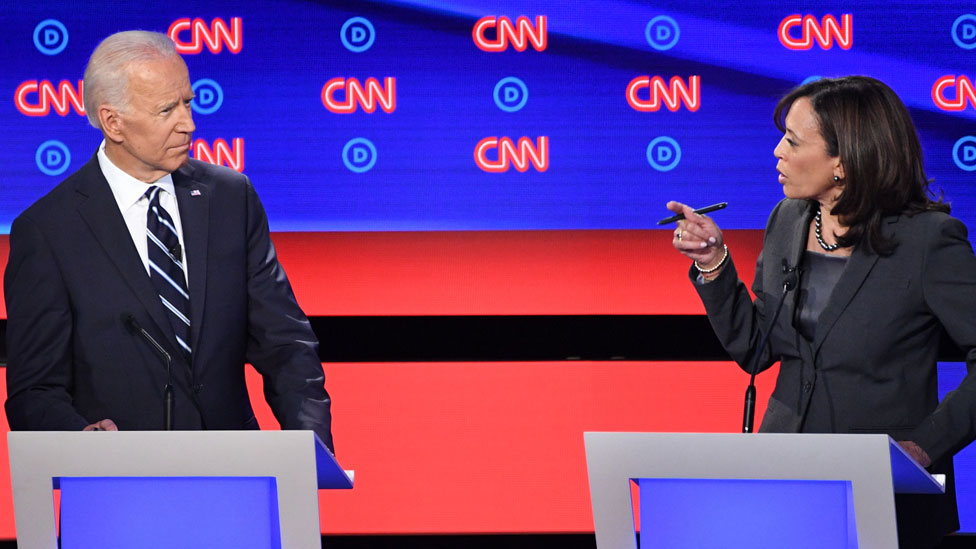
(964, 31)
(663, 153)
(964, 153)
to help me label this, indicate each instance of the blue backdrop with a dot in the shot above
(421, 172)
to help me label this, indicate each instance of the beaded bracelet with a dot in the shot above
(725, 256)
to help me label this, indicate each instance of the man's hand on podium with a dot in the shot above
(103, 425)
(916, 451)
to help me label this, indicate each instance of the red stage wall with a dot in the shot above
(492, 273)
(489, 447)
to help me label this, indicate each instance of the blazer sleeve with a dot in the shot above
(737, 320)
(949, 289)
(281, 344)
(39, 330)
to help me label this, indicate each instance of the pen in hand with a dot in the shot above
(705, 210)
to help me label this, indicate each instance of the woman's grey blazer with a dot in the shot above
(871, 367)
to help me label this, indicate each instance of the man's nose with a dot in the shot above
(185, 124)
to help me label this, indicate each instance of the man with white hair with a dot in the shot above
(144, 245)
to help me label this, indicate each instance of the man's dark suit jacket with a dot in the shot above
(871, 367)
(73, 273)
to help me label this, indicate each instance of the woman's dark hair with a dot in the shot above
(869, 128)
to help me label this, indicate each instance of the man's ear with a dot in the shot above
(111, 121)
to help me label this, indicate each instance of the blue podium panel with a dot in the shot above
(723, 513)
(186, 512)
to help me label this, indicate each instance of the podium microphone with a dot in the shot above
(749, 413)
(134, 328)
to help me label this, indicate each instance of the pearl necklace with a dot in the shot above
(820, 240)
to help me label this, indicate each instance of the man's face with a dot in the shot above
(155, 130)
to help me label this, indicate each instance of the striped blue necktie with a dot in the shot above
(166, 268)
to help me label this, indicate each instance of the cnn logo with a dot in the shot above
(520, 34)
(189, 36)
(221, 153)
(824, 33)
(672, 95)
(36, 98)
(507, 154)
(964, 93)
(355, 94)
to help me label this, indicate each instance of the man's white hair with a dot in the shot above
(107, 75)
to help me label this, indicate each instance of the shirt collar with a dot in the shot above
(127, 189)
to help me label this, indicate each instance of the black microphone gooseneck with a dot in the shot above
(134, 328)
(749, 414)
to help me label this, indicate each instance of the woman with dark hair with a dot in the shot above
(883, 271)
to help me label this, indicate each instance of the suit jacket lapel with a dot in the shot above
(794, 254)
(858, 267)
(193, 198)
(100, 212)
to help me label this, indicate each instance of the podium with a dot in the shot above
(750, 490)
(123, 489)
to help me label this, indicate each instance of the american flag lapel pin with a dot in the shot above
(195, 192)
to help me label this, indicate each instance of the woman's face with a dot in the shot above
(805, 169)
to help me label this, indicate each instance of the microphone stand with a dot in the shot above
(749, 413)
(168, 403)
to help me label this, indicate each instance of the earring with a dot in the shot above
(836, 179)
